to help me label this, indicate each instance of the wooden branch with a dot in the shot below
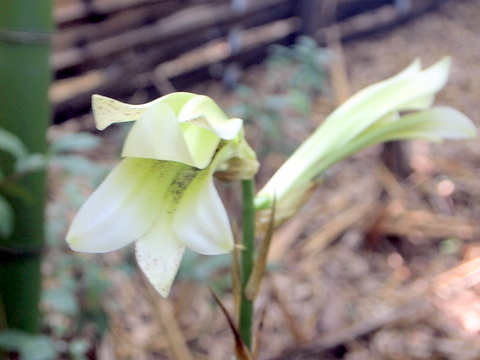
(462, 277)
(114, 24)
(122, 80)
(382, 18)
(182, 24)
(308, 350)
(73, 14)
(120, 44)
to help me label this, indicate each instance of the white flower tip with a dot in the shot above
(159, 255)
(162, 286)
(441, 68)
(457, 125)
(73, 242)
(77, 243)
(100, 105)
(208, 244)
(231, 130)
(414, 68)
(226, 246)
(107, 111)
(164, 291)
(204, 112)
(445, 62)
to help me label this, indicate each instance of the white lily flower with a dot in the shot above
(162, 196)
(368, 117)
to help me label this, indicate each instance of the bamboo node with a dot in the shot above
(25, 37)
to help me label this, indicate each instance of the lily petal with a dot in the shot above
(192, 215)
(433, 124)
(190, 108)
(411, 89)
(108, 111)
(159, 255)
(368, 117)
(147, 139)
(123, 208)
(209, 231)
(203, 111)
(201, 221)
(194, 124)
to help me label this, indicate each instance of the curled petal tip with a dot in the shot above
(159, 255)
(73, 242)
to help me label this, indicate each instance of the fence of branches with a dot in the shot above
(115, 47)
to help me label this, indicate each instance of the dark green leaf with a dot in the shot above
(12, 189)
(6, 218)
(201, 268)
(78, 165)
(78, 349)
(300, 101)
(28, 346)
(75, 142)
(12, 144)
(61, 300)
(31, 163)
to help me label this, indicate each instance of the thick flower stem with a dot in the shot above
(247, 260)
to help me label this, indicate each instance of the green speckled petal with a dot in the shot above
(123, 208)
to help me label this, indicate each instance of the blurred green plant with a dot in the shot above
(80, 284)
(295, 76)
(73, 300)
(25, 162)
(62, 152)
(67, 155)
(302, 67)
(450, 246)
(212, 271)
(27, 346)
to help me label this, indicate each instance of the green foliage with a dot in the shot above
(12, 144)
(450, 246)
(75, 142)
(31, 163)
(75, 302)
(78, 349)
(301, 67)
(62, 151)
(78, 165)
(67, 150)
(294, 78)
(61, 300)
(66, 298)
(6, 217)
(72, 302)
(25, 162)
(77, 297)
(200, 269)
(67, 154)
(27, 346)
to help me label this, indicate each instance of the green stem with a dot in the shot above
(25, 29)
(248, 255)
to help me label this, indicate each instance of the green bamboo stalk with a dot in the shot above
(247, 260)
(25, 28)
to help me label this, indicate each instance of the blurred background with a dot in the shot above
(382, 263)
